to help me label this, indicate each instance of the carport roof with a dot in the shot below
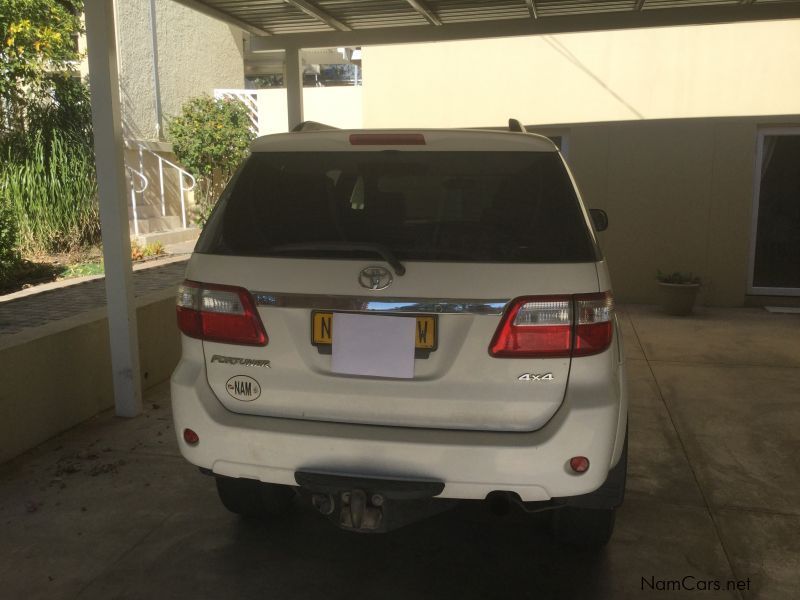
(305, 23)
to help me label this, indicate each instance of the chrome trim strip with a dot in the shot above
(437, 306)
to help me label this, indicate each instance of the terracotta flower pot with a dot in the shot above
(678, 298)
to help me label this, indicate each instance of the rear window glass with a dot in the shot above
(439, 206)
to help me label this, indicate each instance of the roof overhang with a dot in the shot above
(281, 24)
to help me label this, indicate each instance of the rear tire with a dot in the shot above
(254, 499)
(583, 527)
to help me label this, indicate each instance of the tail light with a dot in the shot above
(535, 326)
(555, 326)
(593, 323)
(219, 313)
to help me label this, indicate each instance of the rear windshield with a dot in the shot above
(438, 206)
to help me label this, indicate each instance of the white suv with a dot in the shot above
(382, 321)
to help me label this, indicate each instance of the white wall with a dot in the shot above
(196, 54)
(718, 70)
(337, 106)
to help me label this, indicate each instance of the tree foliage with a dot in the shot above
(37, 42)
(47, 175)
(211, 137)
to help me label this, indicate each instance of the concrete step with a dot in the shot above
(146, 211)
(156, 224)
(168, 237)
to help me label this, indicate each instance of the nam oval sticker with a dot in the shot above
(243, 388)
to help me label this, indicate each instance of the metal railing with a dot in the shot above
(184, 177)
(132, 175)
(250, 100)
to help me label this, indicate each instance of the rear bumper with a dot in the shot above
(591, 422)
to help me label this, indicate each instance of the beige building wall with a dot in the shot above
(679, 196)
(336, 106)
(719, 70)
(195, 53)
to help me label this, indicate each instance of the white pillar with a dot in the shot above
(109, 159)
(294, 87)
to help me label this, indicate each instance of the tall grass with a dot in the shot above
(52, 190)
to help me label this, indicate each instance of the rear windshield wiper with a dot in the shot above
(384, 252)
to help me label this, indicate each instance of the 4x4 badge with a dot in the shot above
(535, 377)
(375, 278)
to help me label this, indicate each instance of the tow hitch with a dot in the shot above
(360, 512)
(371, 505)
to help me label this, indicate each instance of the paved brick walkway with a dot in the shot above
(54, 305)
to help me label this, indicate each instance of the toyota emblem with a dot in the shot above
(375, 278)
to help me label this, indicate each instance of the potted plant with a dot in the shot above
(678, 292)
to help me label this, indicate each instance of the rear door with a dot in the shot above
(443, 241)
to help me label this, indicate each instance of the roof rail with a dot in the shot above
(312, 126)
(515, 125)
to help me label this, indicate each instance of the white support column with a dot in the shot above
(109, 159)
(294, 86)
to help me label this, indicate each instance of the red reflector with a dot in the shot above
(579, 464)
(219, 313)
(387, 139)
(190, 437)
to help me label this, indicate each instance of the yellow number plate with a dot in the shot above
(322, 330)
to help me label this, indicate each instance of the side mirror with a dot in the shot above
(599, 218)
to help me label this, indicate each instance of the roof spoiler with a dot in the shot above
(516, 126)
(312, 126)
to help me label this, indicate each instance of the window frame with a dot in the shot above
(752, 289)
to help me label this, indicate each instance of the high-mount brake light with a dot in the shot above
(555, 326)
(387, 139)
(219, 313)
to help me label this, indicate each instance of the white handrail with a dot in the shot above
(183, 175)
(144, 183)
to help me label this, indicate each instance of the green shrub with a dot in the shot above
(52, 191)
(677, 278)
(9, 255)
(211, 137)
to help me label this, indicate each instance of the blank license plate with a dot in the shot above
(322, 330)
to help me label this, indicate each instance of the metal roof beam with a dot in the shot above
(216, 13)
(640, 4)
(425, 11)
(532, 8)
(699, 15)
(320, 15)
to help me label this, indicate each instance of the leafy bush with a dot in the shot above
(148, 251)
(52, 190)
(678, 278)
(9, 256)
(153, 249)
(211, 138)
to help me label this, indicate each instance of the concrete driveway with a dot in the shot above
(110, 510)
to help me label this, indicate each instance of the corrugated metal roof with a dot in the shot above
(280, 17)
